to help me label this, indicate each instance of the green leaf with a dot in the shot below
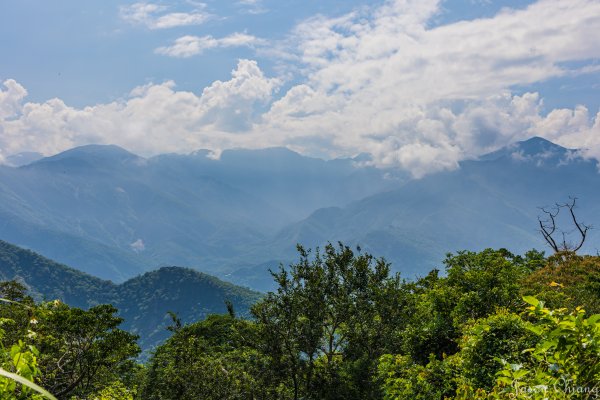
(535, 329)
(531, 300)
(594, 319)
(520, 373)
(25, 382)
(505, 380)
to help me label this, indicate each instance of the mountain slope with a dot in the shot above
(115, 214)
(142, 301)
(489, 202)
(145, 300)
(48, 280)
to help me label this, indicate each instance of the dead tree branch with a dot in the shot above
(581, 227)
(548, 227)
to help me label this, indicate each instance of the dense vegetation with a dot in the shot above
(494, 325)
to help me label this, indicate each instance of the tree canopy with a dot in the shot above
(341, 325)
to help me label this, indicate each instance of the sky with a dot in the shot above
(418, 84)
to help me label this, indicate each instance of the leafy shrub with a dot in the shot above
(567, 280)
(402, 378)
(502, 336)
(563, 364)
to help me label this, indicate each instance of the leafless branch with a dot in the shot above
(548, 227)
(581, 227)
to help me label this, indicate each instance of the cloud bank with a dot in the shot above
(154, 118)
(378, 80)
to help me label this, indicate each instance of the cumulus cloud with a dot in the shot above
(11, 98)
(380, 80)
(574, 128)
(154, 16)
(187, 46)
(155, 118)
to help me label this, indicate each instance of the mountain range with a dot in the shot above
(114, 214)
(493, 201)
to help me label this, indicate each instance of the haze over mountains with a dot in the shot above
(113, 214)
(490, 202)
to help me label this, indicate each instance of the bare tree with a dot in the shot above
(548, 227)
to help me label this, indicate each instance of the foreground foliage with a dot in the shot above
(493, 325)
(73, 353)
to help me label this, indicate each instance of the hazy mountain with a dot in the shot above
(142, 301)
(295, 184)
(114, 214)
(489, 202)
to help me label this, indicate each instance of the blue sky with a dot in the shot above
(420, 84)
(89, 52)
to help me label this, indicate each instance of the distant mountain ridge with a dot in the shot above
(142, 301)
(489, 202)
(114, 214)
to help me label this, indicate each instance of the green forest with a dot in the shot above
(341, 325)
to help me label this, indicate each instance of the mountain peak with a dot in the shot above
(89, 155)
(535, 148)
(96, 150)
(538, 145)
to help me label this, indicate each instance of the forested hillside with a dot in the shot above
(341, 325)
(143, 301)
(48, 280)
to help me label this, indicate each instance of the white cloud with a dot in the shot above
(187, 46)
(153, 16)
(140, 13)
(154, 118)
(138, 246)
(573, 128)
(11, 98)
(381, 80)
(378, 80)
(179, 19)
